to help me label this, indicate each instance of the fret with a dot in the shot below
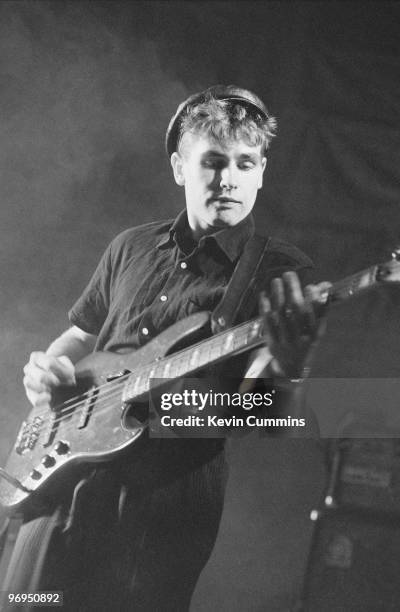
(179, 364)
(254, 330)
(204, 355)
(145, 386)
(167, 369)
(136, 385)
(228, 343)
(372, 275)
(216, 348)
(207, 353)
(194, 358)
(237, 340)
(158, 370)
(231, 341)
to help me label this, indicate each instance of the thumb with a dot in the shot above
(68, 370)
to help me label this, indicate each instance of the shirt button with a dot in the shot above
(183, 265)
(163, 298)
(145, 331)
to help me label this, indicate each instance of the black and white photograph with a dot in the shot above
(200, 305)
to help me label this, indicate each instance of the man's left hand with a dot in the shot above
(293, 321)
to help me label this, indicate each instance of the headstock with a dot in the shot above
(390, 271)
(396, 254)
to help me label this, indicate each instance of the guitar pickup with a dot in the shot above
(87, 408)
(116, 375)
(50, 429)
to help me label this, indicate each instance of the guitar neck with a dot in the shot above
(205, 353)
(352, 284)
(228, 343)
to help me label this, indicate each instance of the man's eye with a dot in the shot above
(212, 163)
(248, 165)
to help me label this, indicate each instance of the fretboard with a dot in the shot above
(189, 360)
(226, 344)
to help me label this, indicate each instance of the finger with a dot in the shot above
(273, 326)
(309, 318)
(265, 310)
(42, 399)
(61, 367)
(320, 292)
(324, 289)
(317, 296)
(297, 309)
(69, 369)
(40, 378)
(33, 385)
(293, 291)
(280, 313)
(264, 304)
(277, 294)
(271, 319)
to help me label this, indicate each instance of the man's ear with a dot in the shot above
(177, 167)
(263, 164)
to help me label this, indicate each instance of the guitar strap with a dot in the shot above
(243, 278)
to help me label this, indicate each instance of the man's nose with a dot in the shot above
(228, 178)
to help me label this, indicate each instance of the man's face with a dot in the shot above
(221, 181)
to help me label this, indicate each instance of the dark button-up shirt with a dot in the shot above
(155, 274)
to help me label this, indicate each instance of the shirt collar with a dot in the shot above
(230, 240)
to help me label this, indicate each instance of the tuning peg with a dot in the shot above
(396, 253)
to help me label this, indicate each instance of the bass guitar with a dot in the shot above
(92, 426)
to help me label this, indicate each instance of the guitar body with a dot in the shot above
(91, 425)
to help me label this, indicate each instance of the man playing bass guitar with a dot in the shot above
(137, 532)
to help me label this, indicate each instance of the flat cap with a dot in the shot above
(220, 92)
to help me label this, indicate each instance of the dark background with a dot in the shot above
(86, 92)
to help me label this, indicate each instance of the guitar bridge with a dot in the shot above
(28, 435)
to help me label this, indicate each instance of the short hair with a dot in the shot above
(228, 120)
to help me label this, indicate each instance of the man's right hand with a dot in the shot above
(43, 374)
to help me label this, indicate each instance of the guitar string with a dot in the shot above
(68, 405)
(113, 391)
(346, 284)
(65, 410)
(103, 403)
(175, 356)
(102, 396)
(102, 406)
(76, 402)
(79, 401)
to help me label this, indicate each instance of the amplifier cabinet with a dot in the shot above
(354, 563)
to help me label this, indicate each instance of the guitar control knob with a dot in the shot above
(35, 475)
(48, 461)
(61, 448)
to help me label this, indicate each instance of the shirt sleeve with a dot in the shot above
(90, 310)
